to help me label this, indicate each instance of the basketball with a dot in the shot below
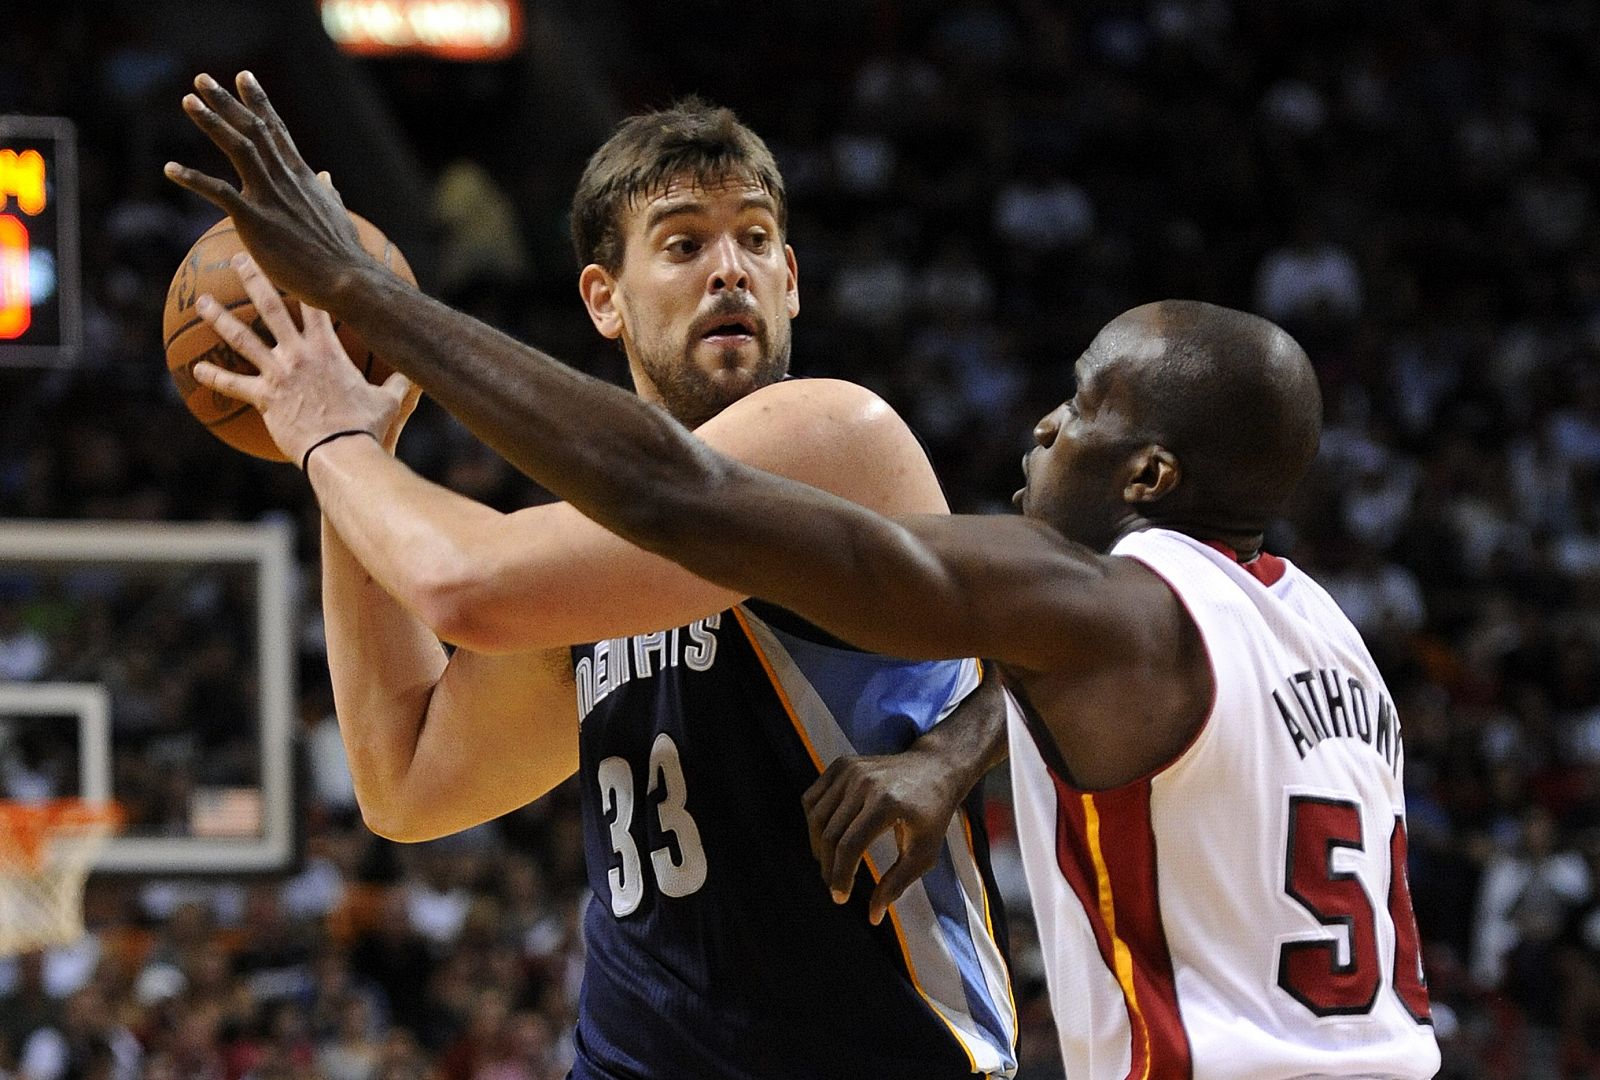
(190, 339)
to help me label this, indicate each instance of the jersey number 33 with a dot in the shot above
(677, 876)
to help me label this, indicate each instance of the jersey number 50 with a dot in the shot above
(1311, 971)
(675, 877)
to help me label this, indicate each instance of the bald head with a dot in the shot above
(1231, 395)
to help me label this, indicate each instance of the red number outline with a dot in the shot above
(1309, 970)
(1410, 982)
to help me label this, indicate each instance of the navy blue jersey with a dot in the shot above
(714, 949)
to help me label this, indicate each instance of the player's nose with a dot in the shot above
(1045, 431)
(727, 269)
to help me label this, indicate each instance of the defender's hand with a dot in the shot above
(295, 226)
(857, 799)
(307, 387)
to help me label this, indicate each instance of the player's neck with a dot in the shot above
(1241, 545)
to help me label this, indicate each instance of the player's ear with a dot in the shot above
(1153, 473)
(599, 291)
(792, 294)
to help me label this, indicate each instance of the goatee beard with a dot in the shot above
(693, 396)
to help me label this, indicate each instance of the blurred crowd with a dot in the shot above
(1408, 186)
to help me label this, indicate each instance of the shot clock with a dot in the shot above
(39, 301)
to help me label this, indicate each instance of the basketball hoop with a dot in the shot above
(45, 852)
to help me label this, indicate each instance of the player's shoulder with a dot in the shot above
(845, 400)
(833, 434)
(810, 412)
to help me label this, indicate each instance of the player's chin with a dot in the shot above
(734, 371)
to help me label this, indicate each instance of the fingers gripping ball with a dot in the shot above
(189, 339)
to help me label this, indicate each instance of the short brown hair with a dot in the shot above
(647, 152)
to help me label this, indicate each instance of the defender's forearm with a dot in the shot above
(974, 736)
(550, 421)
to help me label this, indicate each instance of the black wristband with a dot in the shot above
(305, 459)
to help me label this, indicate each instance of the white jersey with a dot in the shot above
(1243, 911)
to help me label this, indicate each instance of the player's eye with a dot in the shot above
(758, 240)
(683, 246)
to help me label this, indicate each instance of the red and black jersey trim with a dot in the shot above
(1106, 850)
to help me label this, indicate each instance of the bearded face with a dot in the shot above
(704, 296)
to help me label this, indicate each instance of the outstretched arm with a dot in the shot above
(632, 468)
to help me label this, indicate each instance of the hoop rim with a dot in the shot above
(27, 825)
(62, 807)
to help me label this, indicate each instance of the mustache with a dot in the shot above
(730, 304)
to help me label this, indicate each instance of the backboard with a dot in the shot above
(153, 665)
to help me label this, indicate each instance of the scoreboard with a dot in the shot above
(40, 317)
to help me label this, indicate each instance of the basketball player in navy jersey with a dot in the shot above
(1207, 762)
(698, 720)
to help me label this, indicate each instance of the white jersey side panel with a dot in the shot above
(1090, 1010)
(1243, 912)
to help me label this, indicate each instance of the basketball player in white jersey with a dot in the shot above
(1206, 759)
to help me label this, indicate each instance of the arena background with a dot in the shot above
(1408, 186)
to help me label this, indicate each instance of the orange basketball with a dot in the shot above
(190, 339)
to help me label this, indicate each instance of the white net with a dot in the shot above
(45, 854)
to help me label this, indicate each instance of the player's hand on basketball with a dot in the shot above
(306, 388)
(858, 799)
(295, 225)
